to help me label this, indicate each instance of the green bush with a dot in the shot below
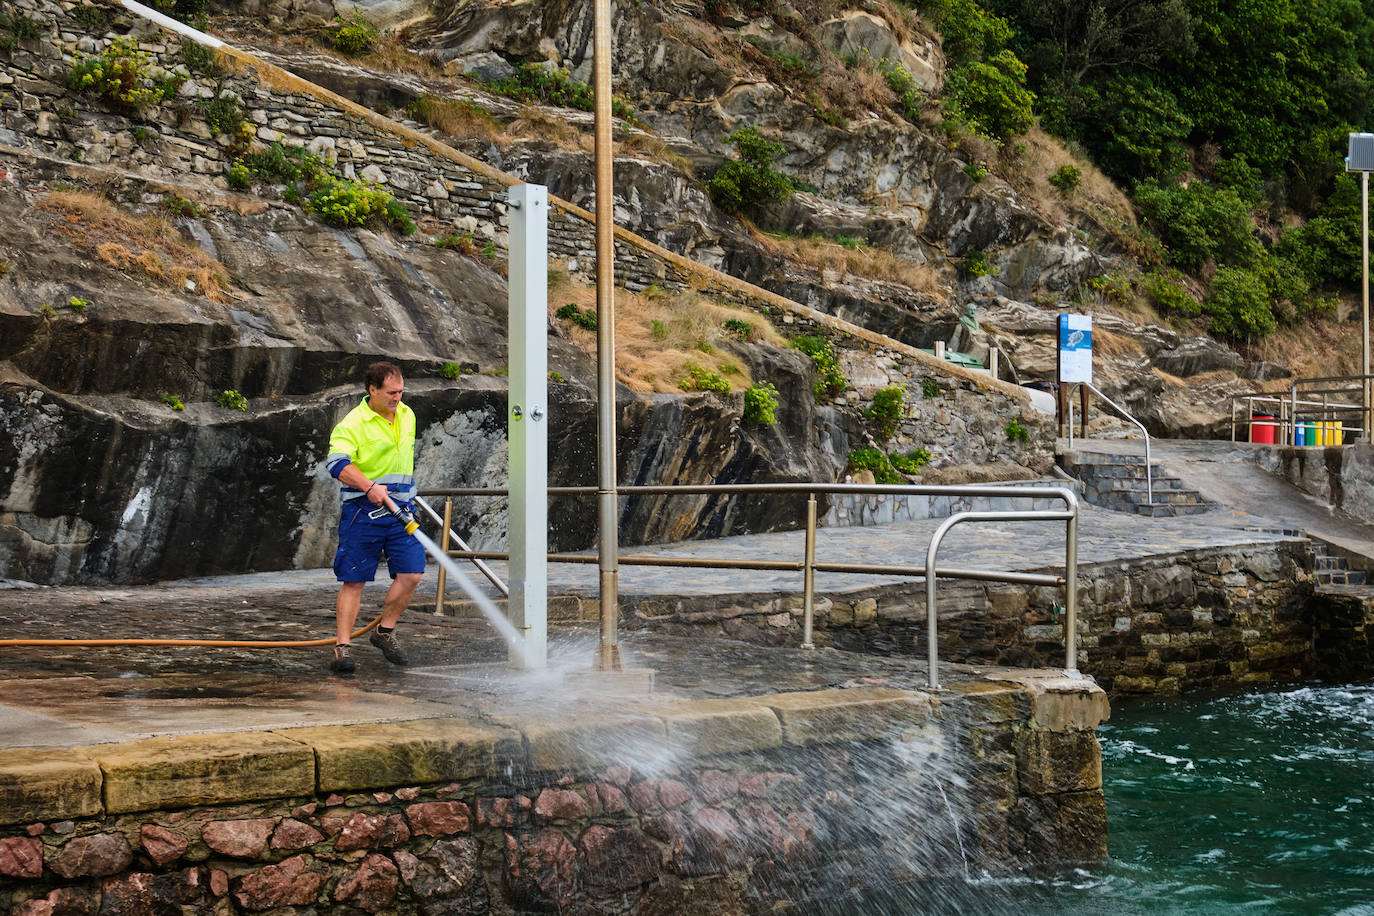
(231, 399)
(189, 11)
(1238, 303)
(583, 318)
(700, 379)
(976, 264)
(657, 329)
(238, 177)
(829, 380)
(747, 183)
(77, 304)
(1136, 128)
(887, 410)
(1199, 223)
(991, 98)
(761, 403)
(911, 462)
(1015, 431)
(222, 113)
(911, 98)
(969, 31)
(173, 402)
(120, 74)
(355, 203)
(872, 459)
(352, 35)
(1169, 296)
(975, 170)
(17, 27)
(451, 370)
(1066, 178)
(546, 86)
(739, 329)
(930, 389)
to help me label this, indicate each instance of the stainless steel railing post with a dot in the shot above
(809, 575)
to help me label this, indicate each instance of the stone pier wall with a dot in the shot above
(689, 807)
(1203, 619)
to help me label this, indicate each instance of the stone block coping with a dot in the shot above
(38, 784)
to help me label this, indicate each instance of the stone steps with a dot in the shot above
(1119, 482)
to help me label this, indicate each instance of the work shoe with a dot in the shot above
(390, 647)
(343, 660)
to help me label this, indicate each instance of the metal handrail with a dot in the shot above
(1149, 486)
(809, 566)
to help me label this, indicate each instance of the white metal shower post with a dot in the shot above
(528, 421)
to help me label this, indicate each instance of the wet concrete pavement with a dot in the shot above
(76, 695)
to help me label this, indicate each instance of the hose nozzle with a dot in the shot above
(404, 516)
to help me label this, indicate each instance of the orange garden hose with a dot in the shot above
(215, 643)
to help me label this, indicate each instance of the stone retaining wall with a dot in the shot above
(1213, 618)
(712, 805)
(1342, 475)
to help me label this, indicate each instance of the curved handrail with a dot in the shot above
(1149, 488)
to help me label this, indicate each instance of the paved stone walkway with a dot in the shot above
(79, 695)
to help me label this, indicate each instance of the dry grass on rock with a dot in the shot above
(857, 260)
(658, 334)
(147, 245)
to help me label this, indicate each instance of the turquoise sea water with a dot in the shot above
(1261, 803)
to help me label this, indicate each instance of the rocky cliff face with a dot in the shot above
(102, 481)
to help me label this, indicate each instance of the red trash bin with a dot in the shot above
(1262, 428)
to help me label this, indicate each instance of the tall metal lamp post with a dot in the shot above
(1361, 159)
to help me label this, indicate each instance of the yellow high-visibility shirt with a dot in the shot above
(384, 452)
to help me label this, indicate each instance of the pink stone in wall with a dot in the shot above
(541, 870)
(500, 812)
(407, 864)
(612, 799)
(240, 839)
(716, 786)
(372, 831)
(754, 786)
(219, 882)
(644, 796)
(438, 818)
(372, 887)
(763, 829)
(673, 794)
(92, 856)
(618, 776)
(288, 883)
(161, 845)
(292, 835)
(407, 794)
(21, 857)
(34, 830)
(64, 901)
(617, 860)
(560, 804)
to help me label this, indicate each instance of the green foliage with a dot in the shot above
(119, 75)
(991, 98)
(1238, 303)
(930, 389)
(288, 164)
(739, 329)
(343, 202)
(94, 19)
(1066, 178)
(173, 402)
(583, 318)
(705, 346)
(352, 34)
(911, 462)
(231, 399)
(747, 183)
(189, 11)
(976, 170)
(761, 403)
(886, 411)
(222, 113)
(1199, 223)
(47, 311)
(451, 370)
(557, 377)
(1116, 287)
(546, 86)
(911, 98)
(1015, 431)
(1136, 128)
(789, 62)
(1327, 247)
(970, 32)
(454, 241)
(657, 329)
(200, 60)
(872, 459)
(829, 380)
(700, 379)
(850, 242)
(976, 264)
(238, 177)
(77, 304)
(1169, 296)
(180, 206)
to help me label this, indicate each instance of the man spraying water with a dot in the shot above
(372, 455)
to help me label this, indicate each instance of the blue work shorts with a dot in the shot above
(363, 539)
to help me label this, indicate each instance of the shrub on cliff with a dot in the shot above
(749, 182)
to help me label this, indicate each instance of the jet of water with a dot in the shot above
(488, 607)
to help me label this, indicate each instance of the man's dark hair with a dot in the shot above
(378, 373)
